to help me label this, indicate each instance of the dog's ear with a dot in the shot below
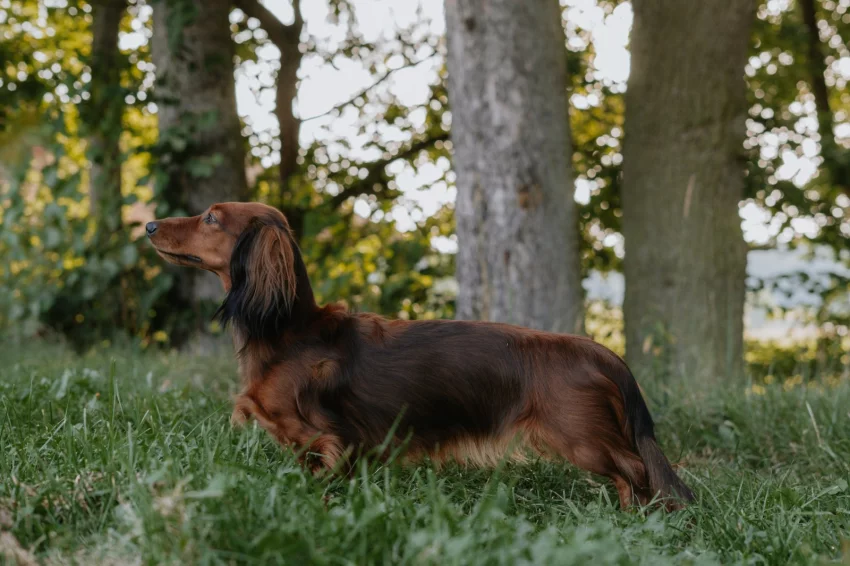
(263, 281)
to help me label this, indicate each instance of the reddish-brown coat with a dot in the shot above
(333, 384)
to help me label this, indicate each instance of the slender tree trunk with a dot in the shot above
(836, 160)
(287, 42)
(817, 70)
(199, 129)
(286, 38)
(517, 228)
(290, 126)
(683, 178)
(102, 116)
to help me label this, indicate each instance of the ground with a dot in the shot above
(120, 457)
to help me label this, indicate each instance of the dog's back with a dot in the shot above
(480, 392)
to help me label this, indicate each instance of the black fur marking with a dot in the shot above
(246, 312)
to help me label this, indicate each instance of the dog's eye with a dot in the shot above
(209, 219)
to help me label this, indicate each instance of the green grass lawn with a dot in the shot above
(138, 464)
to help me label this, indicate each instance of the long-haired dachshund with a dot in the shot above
(333, 384)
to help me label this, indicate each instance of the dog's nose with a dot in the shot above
(151, 227)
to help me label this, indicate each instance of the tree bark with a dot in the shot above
(683, 178)
(196, 96)
(817, 70)
(290, 126)
(103, 115)
(199, 128)
(516, 216)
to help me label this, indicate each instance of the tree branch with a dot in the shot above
(279, 33)
(375, 174)
(365, 91)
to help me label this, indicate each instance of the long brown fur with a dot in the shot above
(335, 385)
(272, 263)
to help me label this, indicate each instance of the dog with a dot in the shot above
(336, 385)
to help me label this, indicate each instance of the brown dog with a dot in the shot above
(331, 383)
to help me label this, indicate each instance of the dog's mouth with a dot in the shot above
(179, 258)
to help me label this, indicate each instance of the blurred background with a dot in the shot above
(671, 178)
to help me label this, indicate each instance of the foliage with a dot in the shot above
(803, 361)
(783, 122)
(59, 273)
(798, 206)
(136, 463)
(63, 278)
(782, 128)
(803, 207)
(347, 193)
(597, 111)
(345, 197)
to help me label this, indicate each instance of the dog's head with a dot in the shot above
(251, 248)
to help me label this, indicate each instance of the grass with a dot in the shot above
(134, 462)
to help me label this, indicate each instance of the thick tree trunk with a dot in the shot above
(683, 175)
(196, 97)
(102, 116)
(196, 94)
(516, 217)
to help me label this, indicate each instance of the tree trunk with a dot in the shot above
(683, 178)
(287, 39)
(286, 88)
(290, 126)
(102, 116)
(836, 160)
(517, 228)
(199, 129)
(197, 99)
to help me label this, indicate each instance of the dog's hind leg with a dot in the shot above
(584, 428)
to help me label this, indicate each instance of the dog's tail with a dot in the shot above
(663, 481)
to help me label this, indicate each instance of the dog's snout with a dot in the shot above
(151, 227)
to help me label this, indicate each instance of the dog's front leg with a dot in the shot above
(319, 452)
(239, 417)
(245, 409)
(323, 454)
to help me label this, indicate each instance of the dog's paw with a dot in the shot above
(238, 418)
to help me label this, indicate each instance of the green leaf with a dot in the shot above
(52, 237)
(11, 239)
(110, 267)
(129, 255)
(178, 144)
(16, 311)
(53, 210)
(89, 289)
